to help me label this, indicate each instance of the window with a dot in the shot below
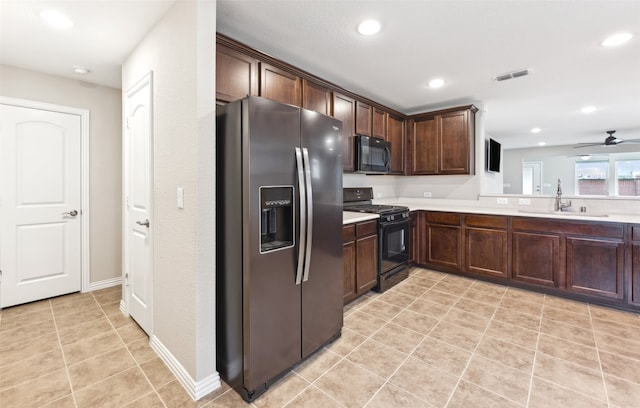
(591, 177)
(628, 177)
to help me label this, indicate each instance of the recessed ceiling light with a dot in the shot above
(81, 70)
(56, 19)
(616, 40)
(542, 143)
(536, 130)
(369, 27)
(585, 157)
(588, 109)
(436, 83)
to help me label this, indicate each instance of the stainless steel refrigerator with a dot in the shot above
(279, 269)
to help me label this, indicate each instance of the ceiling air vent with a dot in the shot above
(514, 74)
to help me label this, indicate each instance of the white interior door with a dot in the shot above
(532, 178)
(40, 204)
(138, 231)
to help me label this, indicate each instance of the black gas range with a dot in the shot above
(393, 234)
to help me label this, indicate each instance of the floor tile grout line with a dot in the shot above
(126, 346)
(535, 353)
(595, 340)
(473, 353)
(64, 359)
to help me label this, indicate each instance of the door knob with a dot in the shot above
(145, 223)
(72, 213)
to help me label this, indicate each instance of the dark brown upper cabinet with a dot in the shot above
(363, 119)
(316, 97)
(379, 128)
(396, 136)
(236, 74)
(344, 109)
(443, 142)
(280, 85)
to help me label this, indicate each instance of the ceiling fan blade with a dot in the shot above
(630, 141)
(587, 145)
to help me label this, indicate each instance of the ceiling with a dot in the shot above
(467, 43)
(104, 34)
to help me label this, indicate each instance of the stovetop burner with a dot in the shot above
(359, 200)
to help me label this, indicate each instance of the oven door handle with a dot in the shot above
(394, 223)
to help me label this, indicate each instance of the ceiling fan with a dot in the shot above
(610, 140)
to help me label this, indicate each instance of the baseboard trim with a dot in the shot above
(195, 389)
(103, 284)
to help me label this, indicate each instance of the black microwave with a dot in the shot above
(372, 155)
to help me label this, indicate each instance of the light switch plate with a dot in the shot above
(502, 200)
(180, 197)
(427, 194)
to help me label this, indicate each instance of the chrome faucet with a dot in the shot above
(558, 205)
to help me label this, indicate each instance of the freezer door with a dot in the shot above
(322, 289)
(271, 298)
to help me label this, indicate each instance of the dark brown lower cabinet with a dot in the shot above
(587, 260)
(360, 251)
(443, 239)
(595, 267)
(634, 268)
(349, 261)
(635, 275)
(413, 227)
(536, 258)
(485, 245)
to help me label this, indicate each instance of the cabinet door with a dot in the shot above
(363, 119)
(344, 109)
(395, 136)
(454, 143)
(595, 267)
(536, 258)
(280, 85)
(349, 260)
(316, 97)
(444, 246)
(379, 124)
(424, 147)
(366, 263)
(486, 251)
(413, 248)
(236, 75)
(635, 274)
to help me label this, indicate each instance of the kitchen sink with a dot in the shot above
(565, 213)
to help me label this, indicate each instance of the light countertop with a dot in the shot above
(350, 217)
(537, 213)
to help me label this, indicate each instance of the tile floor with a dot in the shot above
(435, 340)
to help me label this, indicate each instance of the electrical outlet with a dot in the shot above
(524, 201)
(502, 200)
(378, 195)
(427, 194)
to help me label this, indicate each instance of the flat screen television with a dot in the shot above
(493, 156)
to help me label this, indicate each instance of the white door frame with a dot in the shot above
(84, 168)
(145, 80)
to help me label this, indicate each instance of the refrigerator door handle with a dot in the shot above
(307, 172)
(303, 216)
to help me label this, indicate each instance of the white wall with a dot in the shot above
(180, 50)
(105, 163)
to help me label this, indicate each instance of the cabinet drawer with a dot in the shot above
(443, 218)
(485, 221)
(367, 228)
(635, 233)
(348, 233)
